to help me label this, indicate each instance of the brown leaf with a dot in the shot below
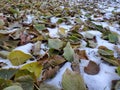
(49, 73)
(92, 68)
(75, 64)
(82, 54)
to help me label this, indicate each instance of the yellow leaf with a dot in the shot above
(34, 67)
(18, 57)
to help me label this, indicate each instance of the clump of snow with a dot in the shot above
(25, 48)
(53, 32)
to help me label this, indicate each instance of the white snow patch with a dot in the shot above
(25, 48)
(101, 81)
(53, 32)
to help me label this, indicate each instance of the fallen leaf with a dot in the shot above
(26, 82)
(4, 54)
(33, 67)
(39, 27)
(7, 73)
(92, 68)
(113, 37)
(72, 81)
(55, 43)
(18, 57)
(14, 87)
(82, 54)
(68, 52)
(44, 86)
(49, 73)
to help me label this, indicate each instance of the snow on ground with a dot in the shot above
(101, 81)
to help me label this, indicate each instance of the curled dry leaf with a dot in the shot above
(49, 73)
(92, 68)
(75, 64)
(36, 48)
(82, 54)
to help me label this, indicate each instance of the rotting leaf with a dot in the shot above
(62, 31)
(18, 57)
(14, 87)
(5, 83)
(92, 68)
(68, 52)
(118, 70)
(55, 43)
(33, 67)
(72, 81)
(7, 73)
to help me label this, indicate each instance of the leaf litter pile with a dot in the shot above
(57, 45)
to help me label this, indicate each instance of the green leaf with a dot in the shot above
(39, 27)
(26, 82)
(118, 70)
(55, 43)
(44, 86)
(18, 57)
(113, 37)
(68, 52)
(14, 87)
(7, 73)
(5, 83)
(33, 67)
(72, 81)
(24, 72)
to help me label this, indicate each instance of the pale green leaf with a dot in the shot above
(55, 43)
(72, 81)
(68, 52)
(14, 87)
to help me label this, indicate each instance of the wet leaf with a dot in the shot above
(33, 67)
(55, 43)
(14, 87)
(26, 82)
(7, 73)
(18, 57)
(72, 81)
(92, 68)
(68, 52)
